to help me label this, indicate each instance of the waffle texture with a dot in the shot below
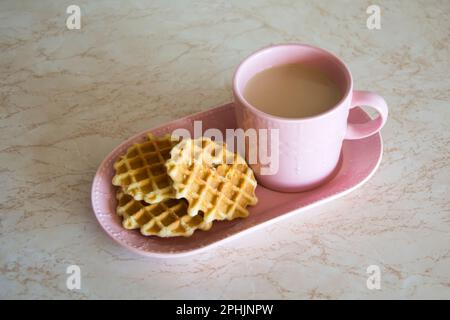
(141, 172)
(167, 218)
(214, 181)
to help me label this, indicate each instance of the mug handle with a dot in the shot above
(363, 130)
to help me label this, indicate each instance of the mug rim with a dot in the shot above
(241, 98)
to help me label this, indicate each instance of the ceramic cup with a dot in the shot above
(308, 148)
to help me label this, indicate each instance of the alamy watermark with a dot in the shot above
(374, 20)
(373, 281)
(73, 21)
(73, 281)
(260, 146)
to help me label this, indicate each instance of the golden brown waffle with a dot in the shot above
(141, 172)
(167, 218)
(201, 174)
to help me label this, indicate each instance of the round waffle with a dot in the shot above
(213, 179)
(167, 218)
(141, 172)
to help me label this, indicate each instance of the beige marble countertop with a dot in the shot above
(68, 97)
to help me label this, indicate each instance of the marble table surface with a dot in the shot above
(68, 97)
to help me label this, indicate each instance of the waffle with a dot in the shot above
(141, 172)
(214, 180)
(167, 218)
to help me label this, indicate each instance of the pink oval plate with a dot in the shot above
(359, 161)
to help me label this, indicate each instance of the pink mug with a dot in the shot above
(308, 148)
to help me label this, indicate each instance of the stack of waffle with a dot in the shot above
(171, 188)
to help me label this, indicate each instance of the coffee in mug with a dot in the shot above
(292, 91)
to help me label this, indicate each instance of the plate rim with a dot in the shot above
(187, 252)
